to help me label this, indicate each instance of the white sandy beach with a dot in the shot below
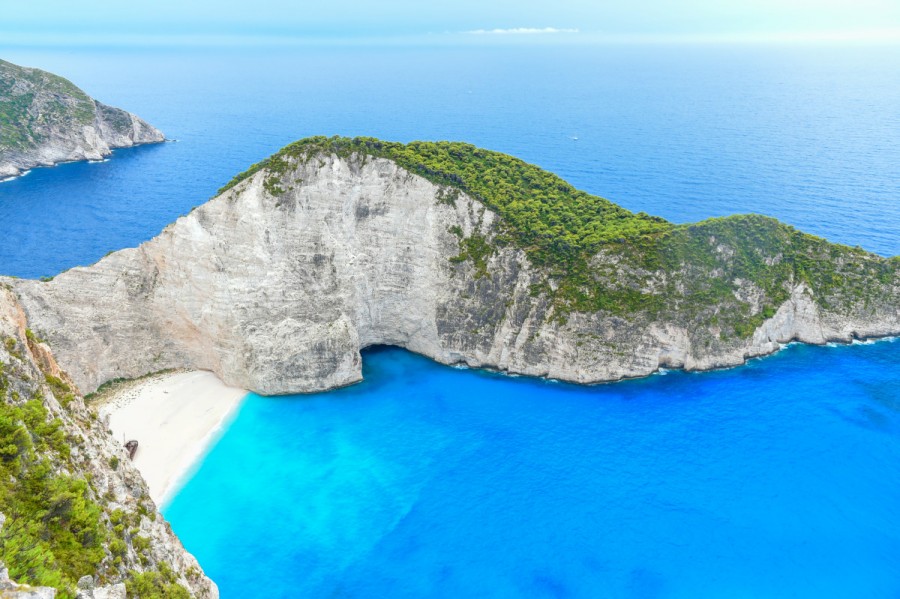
(174, 417)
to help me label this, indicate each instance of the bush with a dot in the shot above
(61, 391)
(155, 585)
(54, 533)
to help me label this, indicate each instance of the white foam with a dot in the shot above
(19, 176)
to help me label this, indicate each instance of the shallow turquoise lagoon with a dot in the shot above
(777, 479)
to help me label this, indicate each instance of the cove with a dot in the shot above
(779, 478)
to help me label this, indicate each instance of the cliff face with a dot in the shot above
(74, 514)
(45, 119)
(276, 284)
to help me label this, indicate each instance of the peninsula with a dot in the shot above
(45, 120)
(458, 253)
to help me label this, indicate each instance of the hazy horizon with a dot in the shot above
(46, 23)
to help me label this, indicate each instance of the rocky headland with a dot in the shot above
(454, 252)
(45, 120)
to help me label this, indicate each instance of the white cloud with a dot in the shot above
(520, 31)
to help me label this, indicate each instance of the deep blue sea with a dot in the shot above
(777, 479)
(803, 133)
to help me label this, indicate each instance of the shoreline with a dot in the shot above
(14, 177)
(661, 370)
(104, 158)
(176, 416)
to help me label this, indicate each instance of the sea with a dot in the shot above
(780, 478)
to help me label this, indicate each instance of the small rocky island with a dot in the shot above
(460, 254)
(45, 120)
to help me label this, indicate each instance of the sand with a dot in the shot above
(174, 417)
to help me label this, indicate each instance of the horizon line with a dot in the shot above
(496, 37)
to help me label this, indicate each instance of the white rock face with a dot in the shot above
(279, 293)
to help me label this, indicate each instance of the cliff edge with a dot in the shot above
(45, 119)
(457, 253)
(75, 516)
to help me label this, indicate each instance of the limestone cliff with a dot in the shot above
(75, 517)
(334, 245)
(45, 119)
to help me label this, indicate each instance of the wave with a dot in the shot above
(19, 176)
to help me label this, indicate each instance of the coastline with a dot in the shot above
(24, 170)
(175, 417)
(661, 370)
(18, 175)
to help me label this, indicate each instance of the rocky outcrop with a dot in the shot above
(45, 120)
(10, 590)
(131, 538)
(276, 284)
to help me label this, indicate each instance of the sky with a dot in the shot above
(49, 22)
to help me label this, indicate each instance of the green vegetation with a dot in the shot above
(54, 533)
(114, 385)
(12, 348)
(542, 213)
(598, 256)
(773, 257)
(477, 249)
(32, 337)
(155, 585)
(56, 529)
(31, 99)
(61, 391)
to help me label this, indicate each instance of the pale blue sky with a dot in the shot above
(208, 21)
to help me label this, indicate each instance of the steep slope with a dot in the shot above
(45, 119)
(459, 254)
(73, 511)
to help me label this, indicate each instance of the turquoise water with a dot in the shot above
(777, 479)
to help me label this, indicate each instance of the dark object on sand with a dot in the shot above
(131, 446)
